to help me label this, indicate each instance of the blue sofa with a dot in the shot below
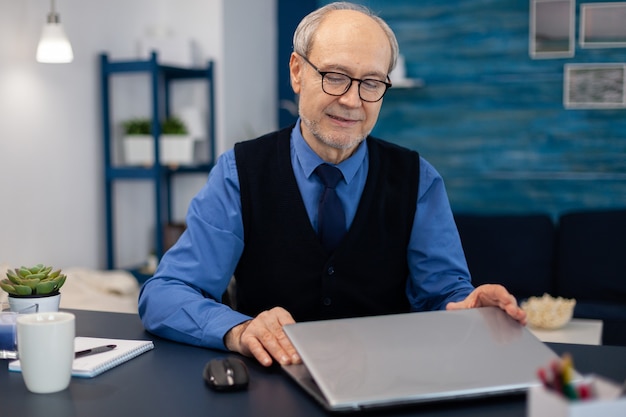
(581, 255)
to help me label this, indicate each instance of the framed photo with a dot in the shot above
(603, 25)
(552, 28)
(595, 86)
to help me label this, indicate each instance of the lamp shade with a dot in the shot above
(54, 46)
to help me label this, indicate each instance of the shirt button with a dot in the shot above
(327, 301)
(330, 270)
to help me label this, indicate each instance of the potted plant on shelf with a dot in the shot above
(34, 289)
(175, 144)
(137, 126)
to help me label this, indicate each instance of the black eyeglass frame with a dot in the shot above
(352, 80)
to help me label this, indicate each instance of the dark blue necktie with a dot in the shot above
(330, 217)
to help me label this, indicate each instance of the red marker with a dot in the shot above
(557, 384)
(541, 373)
(584, 393)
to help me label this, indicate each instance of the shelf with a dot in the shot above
(122, 172)
(162, 77)
(120, 67)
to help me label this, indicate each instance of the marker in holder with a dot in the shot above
(561, 395)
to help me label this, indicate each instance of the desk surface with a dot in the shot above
(579, 331)
(167, 381)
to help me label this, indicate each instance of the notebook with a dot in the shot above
(93, 365)
(370, 362)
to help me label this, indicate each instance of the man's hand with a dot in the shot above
(491, 295)
(263, 338)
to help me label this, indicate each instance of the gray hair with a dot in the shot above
(303, 36)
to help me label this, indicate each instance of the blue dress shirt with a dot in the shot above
(178, 303)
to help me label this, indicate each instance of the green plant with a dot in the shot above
(137, 126)
(142, 126)
(37, 280)
(173, 126)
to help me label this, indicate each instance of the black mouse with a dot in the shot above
(226, 374)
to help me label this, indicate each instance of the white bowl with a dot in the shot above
(547, 312)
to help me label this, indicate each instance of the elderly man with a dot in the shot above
(319, 220)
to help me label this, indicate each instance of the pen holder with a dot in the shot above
(606, 401)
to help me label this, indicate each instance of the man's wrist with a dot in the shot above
(233, 336)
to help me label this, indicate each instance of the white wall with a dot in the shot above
(248, 59)
(51, 173)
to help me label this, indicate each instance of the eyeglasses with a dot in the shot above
(338, 84)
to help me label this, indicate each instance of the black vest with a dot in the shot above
(283, 262)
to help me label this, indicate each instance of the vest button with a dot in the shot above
(330, 270)
(327, 301)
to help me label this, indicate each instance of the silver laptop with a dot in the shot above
(368, 362)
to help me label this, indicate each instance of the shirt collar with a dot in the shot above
(309, 160)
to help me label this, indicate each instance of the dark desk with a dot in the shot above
(167, 381)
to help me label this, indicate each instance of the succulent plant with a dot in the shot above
(37, 280)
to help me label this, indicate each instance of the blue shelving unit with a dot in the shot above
(161, 79)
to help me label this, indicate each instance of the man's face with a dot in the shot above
(351, 43)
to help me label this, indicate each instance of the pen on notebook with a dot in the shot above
(94, 350)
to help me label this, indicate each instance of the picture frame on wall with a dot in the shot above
(552, 29)
(603, 25)
(595, 86)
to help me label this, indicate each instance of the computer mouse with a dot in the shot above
(226, 374)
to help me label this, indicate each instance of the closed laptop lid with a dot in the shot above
(350, 364)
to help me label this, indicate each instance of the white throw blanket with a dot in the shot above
(88, 289)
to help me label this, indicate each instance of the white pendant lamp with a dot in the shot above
(54, 46)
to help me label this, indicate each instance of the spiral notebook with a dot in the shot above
(93, 365)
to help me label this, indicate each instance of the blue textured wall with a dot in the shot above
(491, 119)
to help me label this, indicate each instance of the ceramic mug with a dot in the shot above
(45, 343)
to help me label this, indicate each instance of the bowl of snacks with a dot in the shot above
(547, 312)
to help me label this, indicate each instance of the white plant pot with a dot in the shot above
(173, 150)
(35, 304)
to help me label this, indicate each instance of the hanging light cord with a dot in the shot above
(53, 16)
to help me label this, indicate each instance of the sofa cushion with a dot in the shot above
(591, 256)
(514, 250)
(591, 267)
